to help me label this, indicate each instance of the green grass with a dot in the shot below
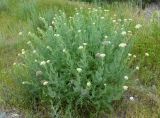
(13, 20)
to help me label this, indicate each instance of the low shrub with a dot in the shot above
(78, 66)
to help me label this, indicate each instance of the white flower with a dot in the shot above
(45, 83)
(79, 70)
(105, 37)
(124, 33)
(80, 47)
(125, 88)
(138, 26)
(102, 55)
(93, 23)
(14, 63)
(129, 31)
(50, 27)
(126, 77)
(79, 31)
(41, 18)
(48, 47)
(56, 35)
(35, 60)
(48, 61)
(20, 33)
(24, 82)
(84, 44)
(134, 56)
(122, 45)
(131, 98)
(64, 50)
(23, 51)
(106, 10)
(137, 67)
(15, 115)
(29, 33)
(146, 54)
(34, 51)
(19, 54)
(29, 42)
(129, 54)
(125, 20)
(113, 21)
(105, 84)
(53, 22)
(89, 84)
(77, 13)
(42, 63)
(102, 17)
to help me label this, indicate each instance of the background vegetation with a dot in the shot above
(19, 16)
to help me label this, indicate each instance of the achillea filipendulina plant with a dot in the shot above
(77, 66)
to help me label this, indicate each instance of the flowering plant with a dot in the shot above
(78, 65)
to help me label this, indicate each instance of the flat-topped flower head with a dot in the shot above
(80, 47)
(137, 67)
(57, 35)
(79, 70)
(53, 22)
(131, 98)
(79, 31)
(106, 37)
(134, 56)
(20, 33)
(29, 33)
(64, 50)
(48, 61)
(42, 63)
(45, 83)
(106, 10)
(125, 20)
(125, 88)
(102, 17)
(85, 44)
(88, 83)
(138, 26)
(123, 33)
(122, 45)
(23, 52)
(146, 54)
(126, 77)
(34, 51)
(102, 55)
(113, 21)
(129, 54)
(14, 63)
